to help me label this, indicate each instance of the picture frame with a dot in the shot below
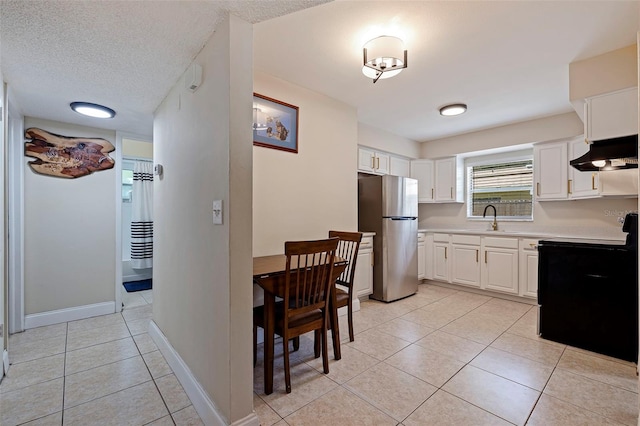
(275, 124)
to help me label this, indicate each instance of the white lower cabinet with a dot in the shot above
(500, 264)
(441, 253)
(421, 256)
(465, 260)
(363, 278)
(428, 257)
(528, 268)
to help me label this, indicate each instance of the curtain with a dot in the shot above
(142, 216)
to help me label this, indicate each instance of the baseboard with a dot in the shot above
(68, 314)
(206, 409)
(496, 294)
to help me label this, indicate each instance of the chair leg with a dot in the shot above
(325, 351)
(287, 373)
(316, 343)
(296, 343)
(350, 319)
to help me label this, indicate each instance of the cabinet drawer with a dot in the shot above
(500, 242)
(421, 237)
(441, 238)
(366, 243)
(529, 244)
(473, 240)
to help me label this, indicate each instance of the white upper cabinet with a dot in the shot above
(612, 115)
(371, 161)
(422, 170)
(581, 184)
(399, 166)
(550, 162)
(439, 181)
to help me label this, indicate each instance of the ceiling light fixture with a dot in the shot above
(382, 57)
(453, 109)
(92, 110)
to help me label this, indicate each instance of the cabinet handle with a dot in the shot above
(445, 253)
(485, 256)
(373, 161)
(593, 181)
(477, 256)
(432, 193)
(569, 186)
(451, 196)
(377, 162)
(533, 246)
(538, 188)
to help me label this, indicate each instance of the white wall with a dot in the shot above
(69, 232)
(202, 272)
(594, 218)
(386, 141)
(304, 195)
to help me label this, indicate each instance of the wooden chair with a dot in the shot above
(347, 249)
(307, 289)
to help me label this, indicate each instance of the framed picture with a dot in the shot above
(275, 124)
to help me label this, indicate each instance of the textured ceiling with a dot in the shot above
(507, 60)
(123, 54)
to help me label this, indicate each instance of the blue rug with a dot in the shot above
(132, 286)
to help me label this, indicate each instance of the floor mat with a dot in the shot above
(132, 286)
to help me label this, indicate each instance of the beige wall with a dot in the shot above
(304, 195)
(386, 141)
(526, 132)
(604, 73)
(69, 232)
(202, 272)
(136, 149)
(596, 218)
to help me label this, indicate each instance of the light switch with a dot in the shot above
(217, 212)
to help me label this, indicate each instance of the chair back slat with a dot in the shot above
(347, 249)
(308, 275)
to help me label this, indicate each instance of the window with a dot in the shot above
(507, 185)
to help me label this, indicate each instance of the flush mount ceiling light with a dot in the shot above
(92, 110)
(384, 57)
(453, 109)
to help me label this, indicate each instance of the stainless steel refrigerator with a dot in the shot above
(388, 206)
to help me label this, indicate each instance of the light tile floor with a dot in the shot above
(440, 357)
(447, 357)
(99, 371)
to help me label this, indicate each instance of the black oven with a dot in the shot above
(588, 293)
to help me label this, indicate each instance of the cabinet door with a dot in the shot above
(421, 265)
(529, 273)
(550, 163)
(582, 184)
(500, 270)
(465, 265)
(422, 170)
(366, 160)
(382, 163)
(612, 115)
(363, 278)
(399, 167)
(445, 179)
(428, 257)
(441, 261)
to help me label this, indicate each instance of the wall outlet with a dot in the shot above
(217, 212)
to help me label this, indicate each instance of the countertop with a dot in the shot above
(517, 234)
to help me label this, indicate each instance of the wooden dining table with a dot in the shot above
(269, 273)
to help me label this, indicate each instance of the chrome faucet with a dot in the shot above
(494, 225)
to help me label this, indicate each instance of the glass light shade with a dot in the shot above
(92, 110)
(455, 109)
(384, 57)
(599, 163)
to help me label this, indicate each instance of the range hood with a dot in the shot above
(609, 154)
